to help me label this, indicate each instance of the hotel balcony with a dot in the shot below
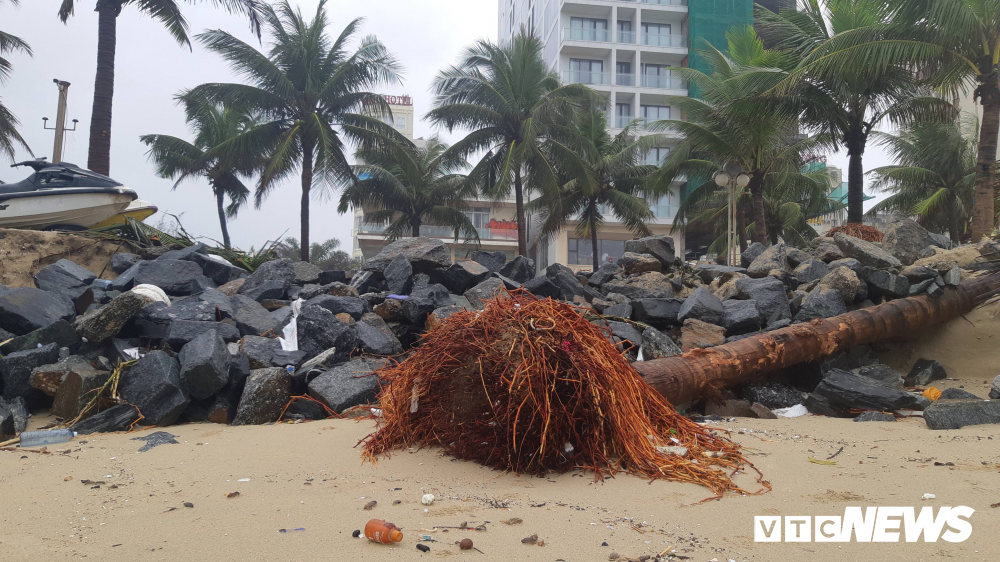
(587, 77)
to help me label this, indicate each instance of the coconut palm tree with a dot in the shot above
(848, 105)
(311, 94)
(507, 96)
(8, 122)
(732, 124)
(179, 159)
(408, 186)
(166, 12)
(603, 175)
(935, 174)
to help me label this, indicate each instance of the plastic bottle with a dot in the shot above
(101, 284)
(39, 438)
(379, 531)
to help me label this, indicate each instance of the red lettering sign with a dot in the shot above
(502, 225)
(398, 100)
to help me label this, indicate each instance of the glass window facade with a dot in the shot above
(581, 251)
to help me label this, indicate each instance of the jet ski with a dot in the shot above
(61, 196)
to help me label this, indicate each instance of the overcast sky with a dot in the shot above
(425, 36)
(150, 68)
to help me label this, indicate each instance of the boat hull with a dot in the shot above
(82, 208)
(139, 210)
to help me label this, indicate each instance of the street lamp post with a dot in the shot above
(731, 178)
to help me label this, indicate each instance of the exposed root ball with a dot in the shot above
(530, 386)
(862, 231)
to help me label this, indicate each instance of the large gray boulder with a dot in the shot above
(995, 388)
(865, 252)
(740, 317)
(658, 312)
(15, 369)
(774, 257)
(319, 330)
(26, 309)
(251, 318)
(423, 253)
(216, 268)
(116, 418)
(810, 270)
(844, 281)
(772, 300)
(351, 384)
(702, 305)
(460, 276)
(656, 344)
(270, 281)
(265, 395)
(67, 278)
(378, 342)
(956, 414)
(59, 332)
(850, 390)
(632, 262)
(520, 269)
(181, 332)
(175, 277)
(306, 273)
(493, 261)
(153, 384)
(399, 275)
(484, 292)
(79, 386)
(822, 302)
(13, 417)
(604, 273)
(660, 246)
(204, 365)
(752, 252)
(907, 240)
(337, 305)
(650, 285)
(423, 300)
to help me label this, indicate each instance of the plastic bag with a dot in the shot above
(291, 332)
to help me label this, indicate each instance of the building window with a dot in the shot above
(650, 113)
(623, 114)
(581, 251)
(588, 29)
(664, 207)
(656, 156)
(657, 76)
(480, 216)
(586, 71)
(625, 33)
(401, 122)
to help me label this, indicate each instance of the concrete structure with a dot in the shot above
(625, 50)
(494, 221)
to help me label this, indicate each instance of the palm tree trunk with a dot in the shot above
(522, 244)
(219, 193)
(759, 220)
(982, 205)
(99, 152)
(593, 234)
(415, 228)
(307, 176)
(855, 179)
(953, 219)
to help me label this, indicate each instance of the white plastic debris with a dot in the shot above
(291, 331)
(151, 292)
(219, 259)
(929, 496)
(132, 352)
(428, 499)
(243, 480)
(792, 412)
(674, 450)
(568, 447)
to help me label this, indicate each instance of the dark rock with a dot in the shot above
(850, 390)
(921, 287)
(875, 417)
(508, 283)
(955, 414)
(493, 261)
(365, 282)
(773, 395)
(181, 332)
(846, 282)
(650, 285)
(347, 385)
(882, 375)
(520, 269)
(332, 276)
(184, 308)
(399, 275)
(306, 409)
(625, 331)
(924, 371)
(632, 263)
(251, 318)
(656, 344)
(702, 305)
(79, 387)
(15, 369)
(351, 305)
(995, 389)
(772, 301)
(918, 273)
(183, 253)
(777, 325)
(259, 350)
(125, 279)
(120, 263)
(267, 289)
(660, 246)
(319, 330)
(696, 334)
(567, 284)
(821, 303)
(825, 249)
(953, 277)
(374, 341)
(116, 418)
(619, 310)
(885, 284)
(763, 412)
(216, 268)
(865, 252)
(710, 272)
(391, 310)
(424, 254)
(957, 394)
(204, 365)
(730, 408)
(752, 252)
(461, 276)
(658, 313)
(305, 273)
(423, 300)
(283, 358)
(822, 406)
(69, 279)
(48, 378)
(13, 416)
(265, 395)
(219, 301)
(336, 289)
(483, 292)
(270, 281)
(906, 240)
(439, 314)
(810, 270)
(175, 277)
(59, 332)
(153, 384)
(25, 309)
(774, 257)
(603, 274)
(740, 317)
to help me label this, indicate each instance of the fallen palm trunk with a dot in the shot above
(683, 378)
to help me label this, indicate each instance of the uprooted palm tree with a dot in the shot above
(166, 12)
(507, 96)
(934, 176)
(733, 125)
(848, 104)
(9, 137)
(603, 175)
(179, 159)
(311, 94)
(406, 187)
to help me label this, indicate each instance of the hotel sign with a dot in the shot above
(398, 100)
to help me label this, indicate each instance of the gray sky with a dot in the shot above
(150, 68)
(425, 35)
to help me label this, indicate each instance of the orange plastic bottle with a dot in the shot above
(379, 531)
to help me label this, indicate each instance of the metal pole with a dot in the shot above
(57, 148)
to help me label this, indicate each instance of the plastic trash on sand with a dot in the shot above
(792, 412)
(291, 332)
